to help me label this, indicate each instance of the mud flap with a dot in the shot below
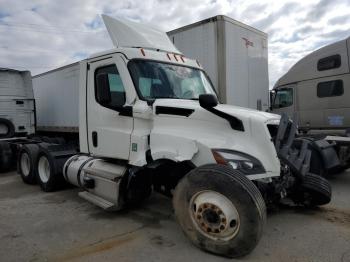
(328, 153)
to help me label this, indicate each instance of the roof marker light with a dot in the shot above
(175, 57)
(198, 63)
(143, 52)
(168, 56)
(182, 58)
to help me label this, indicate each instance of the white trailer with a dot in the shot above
(57, 95)
(233, 54)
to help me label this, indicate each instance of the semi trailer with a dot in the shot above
(317, 89)
(142, 117)
(234, 55)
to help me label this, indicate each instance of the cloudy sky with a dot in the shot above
(40, 35)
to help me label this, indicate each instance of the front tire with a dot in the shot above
(315, 190)
(220, 210)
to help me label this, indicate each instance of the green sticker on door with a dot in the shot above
(134, 147)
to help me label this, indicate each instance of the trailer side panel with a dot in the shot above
(57, 99)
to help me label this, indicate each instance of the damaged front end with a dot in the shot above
(303, 163)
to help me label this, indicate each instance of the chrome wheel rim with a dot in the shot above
(214, 215)
(44, 169)
(25, 164)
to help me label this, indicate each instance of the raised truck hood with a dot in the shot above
(125, 33)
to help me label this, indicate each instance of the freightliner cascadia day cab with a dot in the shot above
(317, 89)
(233, 54)
(147, 119)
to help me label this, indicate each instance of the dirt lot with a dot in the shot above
(37, 226)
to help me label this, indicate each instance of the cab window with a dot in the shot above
(116, 87)
(330, 88)
(283, 98)
(329, 62)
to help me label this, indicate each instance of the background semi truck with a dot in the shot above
(234, 55)
(17, 112)
(144, 117)
(17, 107)
(317, 89)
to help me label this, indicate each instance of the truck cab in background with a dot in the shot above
(17, 105)
(17, 112)
(317, 90)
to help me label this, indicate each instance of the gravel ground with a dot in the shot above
(37, 226)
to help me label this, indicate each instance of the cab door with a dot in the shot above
(109, 118)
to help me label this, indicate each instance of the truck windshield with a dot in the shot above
(163, 80)
(283, 98)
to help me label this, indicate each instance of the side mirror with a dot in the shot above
(103, 93)
(208, 100)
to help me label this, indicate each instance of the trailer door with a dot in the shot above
(108, 132)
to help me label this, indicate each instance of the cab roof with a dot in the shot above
(148, 54)
(306, 68)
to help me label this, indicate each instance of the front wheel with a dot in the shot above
(220, 210)
(313, 191)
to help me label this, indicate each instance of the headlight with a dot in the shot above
(247, 164)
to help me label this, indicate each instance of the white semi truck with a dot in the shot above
(144, 117)
(233, 54)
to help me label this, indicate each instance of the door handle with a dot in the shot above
(94, 138)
